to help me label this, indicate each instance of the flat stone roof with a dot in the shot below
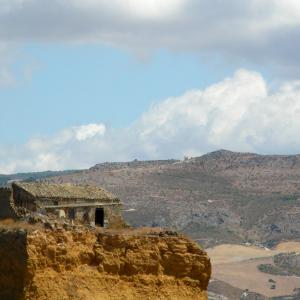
(65, 191)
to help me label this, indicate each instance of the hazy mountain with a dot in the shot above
(7, 179)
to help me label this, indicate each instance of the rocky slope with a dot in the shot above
(219, 197)
(60, 264)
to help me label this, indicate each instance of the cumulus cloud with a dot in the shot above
(240, 113)
(88, 131)
(146, 9)
(62, 150)
(257, 31)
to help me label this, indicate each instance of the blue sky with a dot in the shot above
(71, 85)
(83, 82)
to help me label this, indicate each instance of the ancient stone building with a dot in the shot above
(89, 204)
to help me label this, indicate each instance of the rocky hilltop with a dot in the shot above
(81, 263)
(219, 197)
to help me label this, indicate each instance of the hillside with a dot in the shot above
(219, 197)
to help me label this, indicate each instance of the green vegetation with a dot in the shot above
(285, 264)
(271, 269)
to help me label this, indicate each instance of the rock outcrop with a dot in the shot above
(85, 264)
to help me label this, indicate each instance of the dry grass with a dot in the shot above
(13, 224)
(7, 222)
(118, 227)
(133, 231)
(288, 247)
(140, 231)
(228, 253)
(117, 222)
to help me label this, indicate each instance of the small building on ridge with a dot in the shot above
(85, 203)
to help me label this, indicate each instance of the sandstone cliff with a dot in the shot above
(90, 265)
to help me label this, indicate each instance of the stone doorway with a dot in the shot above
(99, 217)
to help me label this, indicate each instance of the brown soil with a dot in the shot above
(228, 253)
(288, 247)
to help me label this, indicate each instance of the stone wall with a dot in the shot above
(87, 214)
(6, 210)
(23, 199)
(79, 212)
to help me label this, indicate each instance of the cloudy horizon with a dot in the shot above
(83, 82)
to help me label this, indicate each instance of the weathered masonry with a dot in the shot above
(85, 203)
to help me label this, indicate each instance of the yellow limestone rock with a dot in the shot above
(93, 265)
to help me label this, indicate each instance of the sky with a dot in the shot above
(88, 81)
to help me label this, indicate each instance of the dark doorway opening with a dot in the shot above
(71, 213)
(99, 217)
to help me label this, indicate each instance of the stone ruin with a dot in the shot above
(83, 204)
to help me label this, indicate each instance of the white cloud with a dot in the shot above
(264, 32)
(146, 9)
(66, 148)
(89, 131)
(240, 113)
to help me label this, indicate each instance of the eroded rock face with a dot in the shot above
(91, 265)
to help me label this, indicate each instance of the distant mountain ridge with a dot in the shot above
(32, 176)
(221, 196)
(135, 163)
(233, 158)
